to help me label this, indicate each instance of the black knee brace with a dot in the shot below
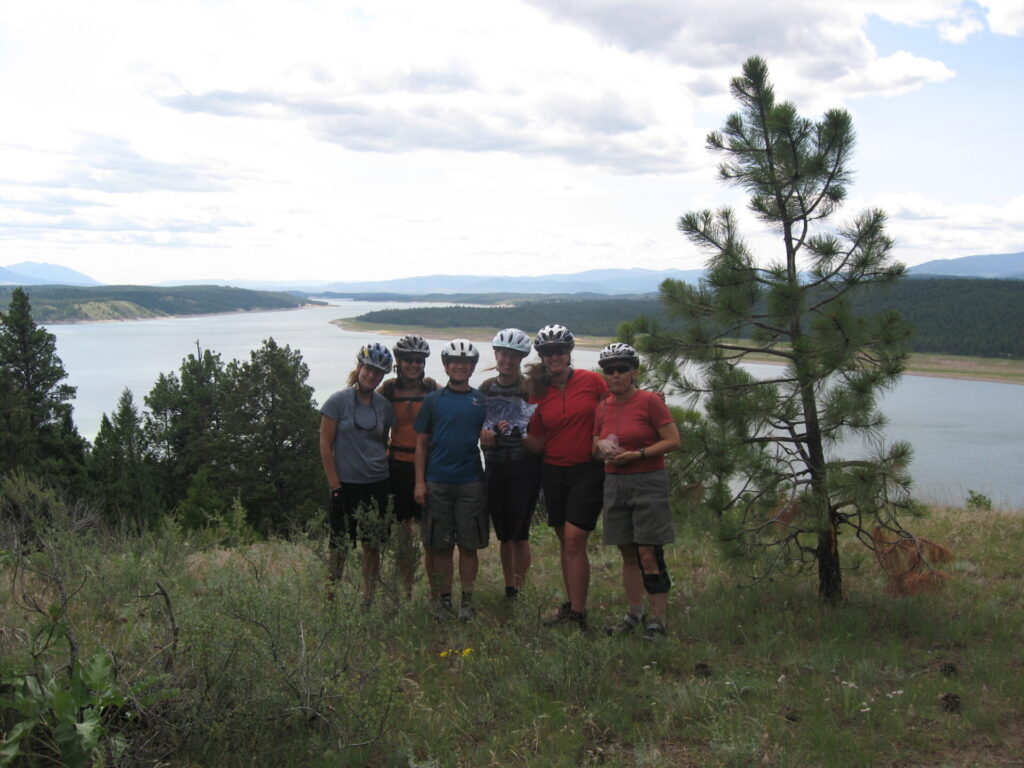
(658, 583)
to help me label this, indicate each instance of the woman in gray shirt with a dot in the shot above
(354, 430)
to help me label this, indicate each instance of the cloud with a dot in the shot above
(109, 164)
(808, 43)
(926, 228)
(1005, 17)
(962, 28)
(600, 129)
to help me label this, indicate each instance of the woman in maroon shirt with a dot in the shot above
(633, 430)
(561, 430)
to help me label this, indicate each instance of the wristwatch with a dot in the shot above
(643, 453)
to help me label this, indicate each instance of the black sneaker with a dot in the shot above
(569, 618)
(627, 624)
(558, 617)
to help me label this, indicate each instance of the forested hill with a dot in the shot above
(68, 304)
(983, 318)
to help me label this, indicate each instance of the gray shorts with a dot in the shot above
(455, 514)
(637, 509)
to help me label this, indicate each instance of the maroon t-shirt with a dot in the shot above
(635, 423)
(564, 418)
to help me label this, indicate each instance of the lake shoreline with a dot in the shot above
(88, 321)
(929, 365)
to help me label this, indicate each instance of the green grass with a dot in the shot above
(265, 670)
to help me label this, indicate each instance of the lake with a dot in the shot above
(967, 435)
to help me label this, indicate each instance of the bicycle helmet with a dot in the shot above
(554, 335)
(618, 352)
(375, 355)
(514, 339)
(412, 345)
(460, 349)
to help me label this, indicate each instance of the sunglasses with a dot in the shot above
(362, 421)
(552, 351)
(618, 369)
(416, 359)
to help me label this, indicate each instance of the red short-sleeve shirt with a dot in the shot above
(636, 423)
(564, 418)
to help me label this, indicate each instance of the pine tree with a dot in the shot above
(121, 468)
(782, 493)
(183, 426)
(37, 432)
(272, 426)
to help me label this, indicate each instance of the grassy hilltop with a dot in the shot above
(230, 653)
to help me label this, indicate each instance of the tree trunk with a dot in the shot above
(830, 578)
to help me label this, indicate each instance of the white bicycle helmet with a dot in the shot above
(514, 339)
(617, 352)
(460, 348)
(412, 345)
(376, 355)
(554, 335)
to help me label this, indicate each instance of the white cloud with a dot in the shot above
(1005, 17)
(926, 228)
(336, 139)
(962, 28)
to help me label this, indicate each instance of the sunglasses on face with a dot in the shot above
(552, 351)
(413, 360)
(618, 368)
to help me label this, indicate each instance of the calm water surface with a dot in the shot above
(966, 434)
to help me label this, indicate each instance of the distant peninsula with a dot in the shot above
(79, 304)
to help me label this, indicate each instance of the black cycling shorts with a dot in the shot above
(573, 494)
(361, 513)
(403, 486)
(512, 488)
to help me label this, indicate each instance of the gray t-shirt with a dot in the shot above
(360, 454)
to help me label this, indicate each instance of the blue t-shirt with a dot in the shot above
(453, 420)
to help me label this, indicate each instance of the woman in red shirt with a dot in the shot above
(633, 430)
(561, 430)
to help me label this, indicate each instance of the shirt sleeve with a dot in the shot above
(535, 427)
(423, 419)
(658, 412)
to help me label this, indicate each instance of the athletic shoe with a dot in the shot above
(467, 612)
(627, 624)
(441, 609)
(655, 631)
(558, 617)
(569, 618)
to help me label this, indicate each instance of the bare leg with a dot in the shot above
(522, 558)
(469, 566)
(441, 570)
(371, 572)
(632, 576)
(577, 565)
(336, 562)
(407, 554)
(649, 561)
(560, 533)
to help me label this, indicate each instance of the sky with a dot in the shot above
(144, 141)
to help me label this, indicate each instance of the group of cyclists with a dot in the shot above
(407, 451)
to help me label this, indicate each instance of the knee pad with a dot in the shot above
(658, 583)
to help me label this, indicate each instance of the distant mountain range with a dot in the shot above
(612, 282)
(1005, 266)
(36, 273)
(600, 281)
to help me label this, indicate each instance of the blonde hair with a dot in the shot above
(538, 379)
